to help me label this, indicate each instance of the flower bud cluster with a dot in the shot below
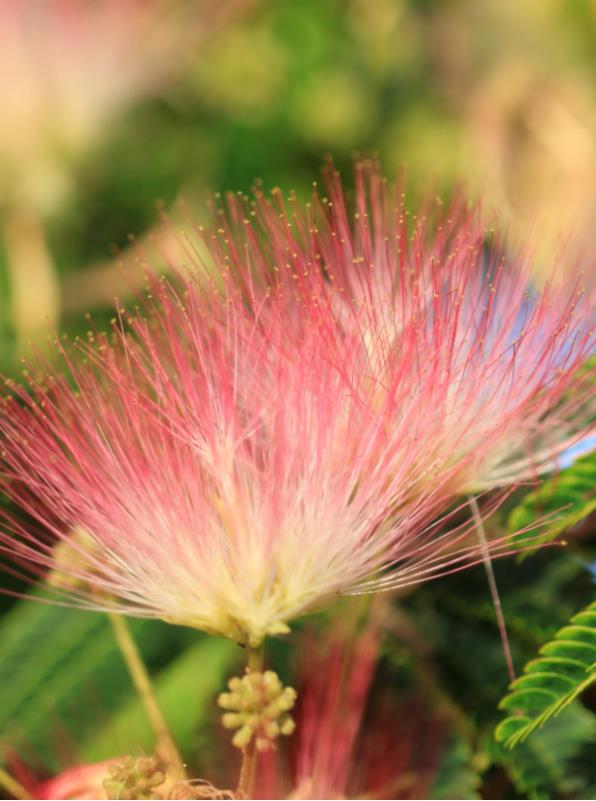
(258, 705)
(135, 778)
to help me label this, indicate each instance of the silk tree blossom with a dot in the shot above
(227, 475)
(527, 349)
(513, 351)
(333, 754)
(78, 781)
(67, 69)
(234, 456)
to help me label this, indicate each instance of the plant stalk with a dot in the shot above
(34, 288)
(250, 755)
(492, 583)
(166, 746)
(14, 787)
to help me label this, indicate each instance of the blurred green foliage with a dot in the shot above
(561, 502)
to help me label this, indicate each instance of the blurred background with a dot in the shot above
(114, 112)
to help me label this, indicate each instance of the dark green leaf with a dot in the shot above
(564, 499)
(551, 682)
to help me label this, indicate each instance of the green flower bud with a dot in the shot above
(259, 705)
(135, 778)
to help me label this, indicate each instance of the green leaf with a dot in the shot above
(566, 498)
(61, 672)
(185, 689)
(566, 667)
(549, 764)
(457, 776)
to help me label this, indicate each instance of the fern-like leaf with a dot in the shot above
(556, 762)
(567, 498)
(565, 668)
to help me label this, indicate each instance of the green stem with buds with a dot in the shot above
(248, 769)
(166, 747)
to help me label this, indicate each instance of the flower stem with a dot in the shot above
(13, 786)
(492, 583)
(34, 289)
(248, 769)
(166, 746)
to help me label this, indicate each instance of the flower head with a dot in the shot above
(66, 70)
(77, 781)
(239, 451)
(349, 743)
(510, 350)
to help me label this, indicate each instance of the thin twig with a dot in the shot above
(492, 583)
(13, 786)
(140, 678)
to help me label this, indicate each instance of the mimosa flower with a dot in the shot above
(238, 454)
(78, 781)
(333, 754)
(512, 350)
(67, 69)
